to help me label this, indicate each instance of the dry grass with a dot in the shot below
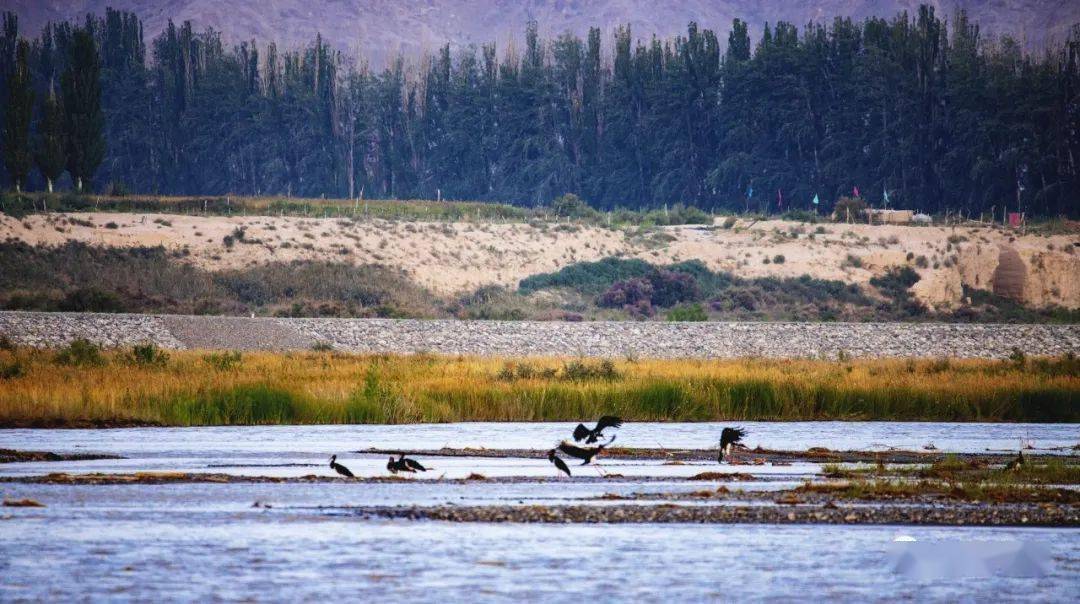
(194, 388)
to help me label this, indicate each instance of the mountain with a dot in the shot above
(383, 27)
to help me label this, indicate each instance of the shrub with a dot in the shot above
(224, 361)
(852, 261)
(849, 207)
(111, 225)
(922, 262)
(117, 189)
(322, 347)
(729, 222)
(779, 259)
(671, 287)
(6, 343)
(630, 292)
(582, 370)
(12, 370)
(90, 299)
(80, 353)
(590, 278)
(147, 355)
(691, 312)
(572, 206)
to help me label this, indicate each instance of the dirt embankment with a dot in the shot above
(457, 257)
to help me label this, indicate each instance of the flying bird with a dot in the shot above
(559, 463)
(340, 469)
(728, 439)
(585, 453)
(404, 464)
(591, 436)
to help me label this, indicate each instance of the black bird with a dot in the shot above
(1017, 463)
(340, 469)
(559, 463)
(591, 436)
(728, 439)
(585, 453)
(404, 464)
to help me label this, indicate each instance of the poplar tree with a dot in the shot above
(20, 103)
(49, 150)
(83, 118)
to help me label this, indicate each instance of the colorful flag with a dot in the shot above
(856, 190)
(815, 199)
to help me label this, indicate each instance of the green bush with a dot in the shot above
(80, 353)
(12, 369)
(691, 312)
(224, 361)
(147, 355)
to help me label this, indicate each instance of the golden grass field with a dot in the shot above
(89, 387)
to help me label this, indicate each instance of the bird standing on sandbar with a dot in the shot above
(404, 464)
(728, 439)
(559, 463)
(340, 469)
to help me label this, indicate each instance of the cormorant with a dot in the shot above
(340, 469)
(559, 463)
(591, 436)
(728, 439)
(585, 453)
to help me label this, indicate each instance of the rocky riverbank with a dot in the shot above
(542, 338)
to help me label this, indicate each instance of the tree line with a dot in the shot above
(921, 111)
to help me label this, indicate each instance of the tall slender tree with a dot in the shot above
(20, 107)
(84, 121)
(49, 150)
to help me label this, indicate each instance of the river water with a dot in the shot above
(206, 541)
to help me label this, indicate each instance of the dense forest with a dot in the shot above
(916, 110)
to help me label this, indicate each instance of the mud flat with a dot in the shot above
(998, 515)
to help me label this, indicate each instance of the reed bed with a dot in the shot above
(90, 387)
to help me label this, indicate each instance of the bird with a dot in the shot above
(728, 439)
(340, 469)
(591, 436)
(559, 463)
(1017, 463)
(404, 464)
(585, 453)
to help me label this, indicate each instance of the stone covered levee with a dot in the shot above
(535, 338)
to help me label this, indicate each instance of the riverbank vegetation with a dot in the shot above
(78, 277)
(83, 385)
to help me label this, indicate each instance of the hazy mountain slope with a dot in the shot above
(380, 27)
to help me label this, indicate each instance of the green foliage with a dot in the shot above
(11, 369)
(84, 122)
(850, 209)
(571, 206)
(49, 153)
(17, 112)
(147, 355)
(224, 361)
(80, 353)
(631, 124)
(591, 278)
(690, 312)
